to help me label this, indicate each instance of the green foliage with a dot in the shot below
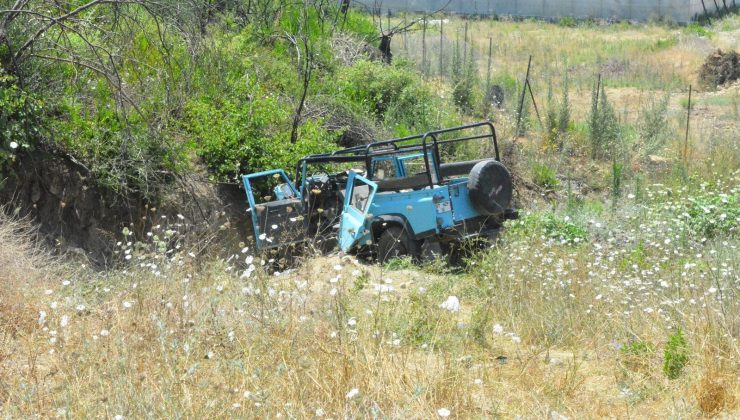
(123, 158)
(20, 119)
(567, 22)
(236, 137)
(558, 116)
(664, 43)
(604, 129)
(419, 323)
(544, 176)
(712, 215)
(465, 80)
(637, 348)
(549, 225)
(653, 129)
(617, 169)
(480, 323)
(393, 94)
(675, 355)
(564, 110)
(697, 29)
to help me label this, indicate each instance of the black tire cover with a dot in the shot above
(490, 187)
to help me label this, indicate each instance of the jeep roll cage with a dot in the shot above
(428, 144)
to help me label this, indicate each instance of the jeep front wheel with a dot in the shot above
(395, 242)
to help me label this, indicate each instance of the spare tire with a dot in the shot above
(490, 187)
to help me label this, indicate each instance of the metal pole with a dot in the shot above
(521, 99)
(706, 13)
(686, 140)
(537, 111)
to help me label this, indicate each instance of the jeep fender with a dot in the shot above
(380, 223)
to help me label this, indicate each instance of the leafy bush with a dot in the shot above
(675, 355)
(235, 137)
(567, 22)
(123, 156)
(713, 215)
(20, 119)
(549, 225)
(393, 94)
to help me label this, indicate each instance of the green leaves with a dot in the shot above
(235, 137)
(675, 355)
(20, 117)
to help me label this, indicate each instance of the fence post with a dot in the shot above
(521, 100)
(686, 140)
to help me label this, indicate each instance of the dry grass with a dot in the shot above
(547, 326)
(171, 336)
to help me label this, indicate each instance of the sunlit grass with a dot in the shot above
(538, 324)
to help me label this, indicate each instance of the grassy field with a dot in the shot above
(615, 295)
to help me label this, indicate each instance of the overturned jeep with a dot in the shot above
(412, 196)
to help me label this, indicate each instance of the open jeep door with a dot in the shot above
(276, 209)
(353, 223)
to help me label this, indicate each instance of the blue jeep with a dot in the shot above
(399, 197)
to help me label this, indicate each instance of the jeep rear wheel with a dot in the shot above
(395, 242)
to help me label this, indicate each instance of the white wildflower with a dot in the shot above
(452, 304)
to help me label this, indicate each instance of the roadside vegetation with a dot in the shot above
(614, 295)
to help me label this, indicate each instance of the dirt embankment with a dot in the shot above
(74, 215)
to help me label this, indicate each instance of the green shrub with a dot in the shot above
(604, 129)
(480, 323)
(20, 119)
(393, 94)
(713, 215)
(567, 22)
(123, 156)
(697, 29)
(549, 225)
(544, 176)
(653, 129)
(466, 91)
(235, 137)
(675, 355)
(617, 169)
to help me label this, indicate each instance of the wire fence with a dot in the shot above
(680, 11)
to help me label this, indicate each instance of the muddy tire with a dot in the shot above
(490, 187)
(395, 242)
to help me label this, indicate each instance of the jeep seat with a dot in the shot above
(413, 182)
(458, 168)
